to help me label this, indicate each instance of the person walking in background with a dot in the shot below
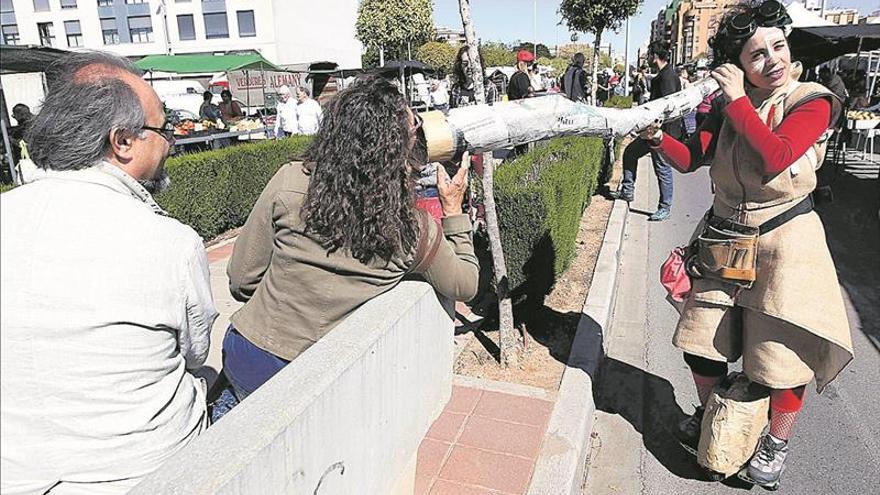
(286, 121)
(789, 325)
(520, 85)
(107, 305)
(439, 96)
(535, 79)
(337, 230)
(666, 82)
(461, 92)
(308, 112)
(574, 81)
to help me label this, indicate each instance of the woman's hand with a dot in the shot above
(732, 81)
(652, 133)
(451, 191)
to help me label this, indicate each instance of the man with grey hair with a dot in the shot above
(106, 301)
(308, 112)
(285, 114)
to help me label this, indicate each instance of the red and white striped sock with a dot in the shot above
(784, 407)
(705, 384)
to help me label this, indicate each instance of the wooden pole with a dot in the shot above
(508, 340)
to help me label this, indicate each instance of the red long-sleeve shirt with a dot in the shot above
(799, 130)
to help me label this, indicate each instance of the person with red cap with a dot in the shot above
(520, 84)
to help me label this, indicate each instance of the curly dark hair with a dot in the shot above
(360, 196)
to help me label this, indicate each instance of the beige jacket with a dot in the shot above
(295, 291)
(797, 281)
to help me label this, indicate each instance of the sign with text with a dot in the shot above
(251, 85)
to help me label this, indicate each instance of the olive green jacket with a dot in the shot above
(295, 291)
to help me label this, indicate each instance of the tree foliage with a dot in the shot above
(592, 16)
(539, 51)
(568, 50)
(392, 25)
(558, 64)
(497, 54)
(438, 54)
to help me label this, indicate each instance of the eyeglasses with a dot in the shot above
(769, 14)
(166, 131)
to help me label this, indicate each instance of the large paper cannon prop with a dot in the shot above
(503, 125)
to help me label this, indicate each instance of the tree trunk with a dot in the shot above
(508, 341)
(381, 56)
(596, 54)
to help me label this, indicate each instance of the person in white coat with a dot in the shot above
(286, 121)
(308, 112)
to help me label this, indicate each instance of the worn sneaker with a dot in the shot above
(660, 215)
(628, 197)
(688, 431)
(768, 463)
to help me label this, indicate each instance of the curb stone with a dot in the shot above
(561, 465)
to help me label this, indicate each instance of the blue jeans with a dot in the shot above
(631, 155)
(245, 365)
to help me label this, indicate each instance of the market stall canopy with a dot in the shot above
(408, 66)
(27, 58)
(818, 44)
(198, 64)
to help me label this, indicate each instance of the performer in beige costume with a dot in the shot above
(790, 325)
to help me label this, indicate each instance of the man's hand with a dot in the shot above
(652, 133)
(451, 191)
(732, 81)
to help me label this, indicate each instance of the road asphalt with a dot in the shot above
(645, 388)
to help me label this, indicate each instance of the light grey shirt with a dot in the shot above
(106, 305)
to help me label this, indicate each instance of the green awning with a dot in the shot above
(671, 10)
(200, 64)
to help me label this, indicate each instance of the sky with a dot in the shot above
(512, 20)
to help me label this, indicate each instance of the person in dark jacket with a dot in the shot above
(665, 83)
(520, 84)
(574, 82)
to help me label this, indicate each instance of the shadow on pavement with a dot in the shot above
(647, 402)
(853, 231)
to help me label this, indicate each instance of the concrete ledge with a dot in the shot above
(562, 459)
(347, 416)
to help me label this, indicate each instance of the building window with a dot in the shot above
(186, 28)
(109, 31)
(135, 2)
(41, 5)
(68, 4)
(6, 7)
(141, 29)
(10, 34)
(105, 3)
(74, 34)
(47, 33)
(247, 28)
(216, 26)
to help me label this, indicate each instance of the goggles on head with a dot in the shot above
(738, 29)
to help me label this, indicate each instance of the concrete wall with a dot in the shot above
(346, 417)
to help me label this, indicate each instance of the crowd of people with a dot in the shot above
(107, 302)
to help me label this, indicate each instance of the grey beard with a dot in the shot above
(157, 184)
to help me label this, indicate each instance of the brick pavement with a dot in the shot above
(484, 442)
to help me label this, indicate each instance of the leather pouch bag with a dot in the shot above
(728, 254)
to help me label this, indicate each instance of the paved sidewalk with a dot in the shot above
(645, 386)
(484, 442)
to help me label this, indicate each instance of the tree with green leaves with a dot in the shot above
(395, 26)
(497, 54)
(538, 51)
(438, 54)
(597, 16)
(568, 50)
(558, 64)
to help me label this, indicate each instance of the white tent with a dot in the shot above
(801, 17)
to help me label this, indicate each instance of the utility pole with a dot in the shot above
(535, 26)
(626, 61)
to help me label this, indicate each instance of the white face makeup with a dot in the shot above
(766, 58)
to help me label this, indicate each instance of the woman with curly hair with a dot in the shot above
(462, 93)
(330, 233)
(771, 295)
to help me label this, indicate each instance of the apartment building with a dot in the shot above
(283, 31)
(450, 35)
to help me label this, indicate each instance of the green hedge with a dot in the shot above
(619, 101)
(6, 187)
(214, 191)
(540, 198)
